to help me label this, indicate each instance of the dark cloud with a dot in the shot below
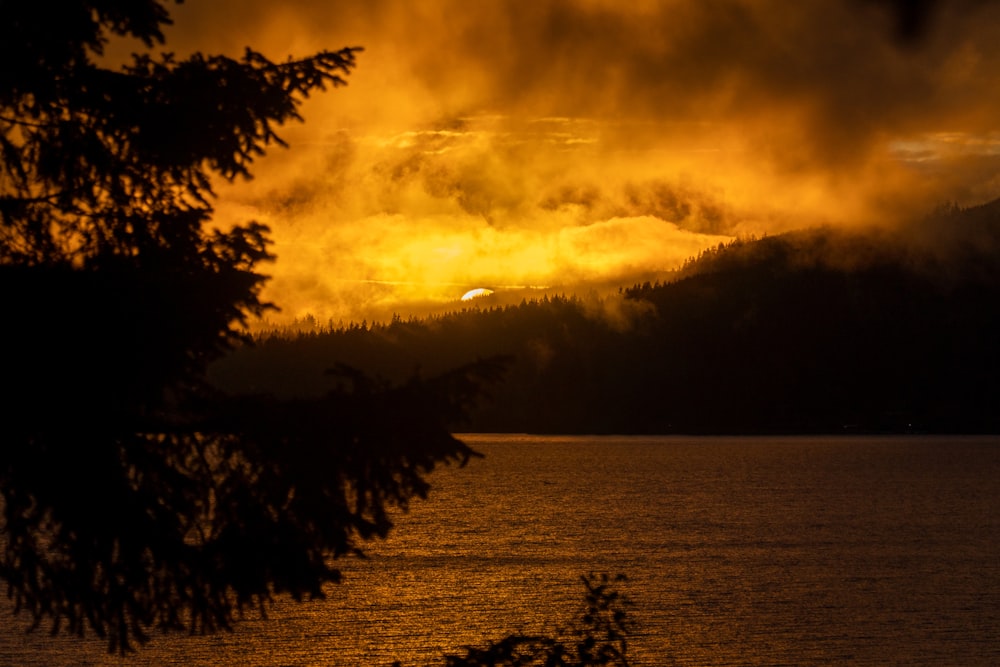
(833, 65)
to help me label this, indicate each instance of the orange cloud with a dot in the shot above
(504, 142)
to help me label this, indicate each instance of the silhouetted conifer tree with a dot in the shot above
(134, 497)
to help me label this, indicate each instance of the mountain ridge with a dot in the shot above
(820, 330)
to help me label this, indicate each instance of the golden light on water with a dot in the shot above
(575, 142)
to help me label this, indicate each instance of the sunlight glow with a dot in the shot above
(449, 167)
(476, 293)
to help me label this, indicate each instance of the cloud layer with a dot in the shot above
(557, 141)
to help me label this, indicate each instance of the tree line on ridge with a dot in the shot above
(811, 331)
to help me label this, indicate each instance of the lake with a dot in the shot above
(738, 551)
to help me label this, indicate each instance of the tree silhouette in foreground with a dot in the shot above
(134, 496)
(599, 637)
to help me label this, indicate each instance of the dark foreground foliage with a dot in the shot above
(133, 495)
(599, 636)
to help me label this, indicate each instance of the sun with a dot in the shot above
(476, 293)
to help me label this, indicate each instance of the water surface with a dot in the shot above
(739, 551)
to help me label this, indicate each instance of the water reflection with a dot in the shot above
(739, 551)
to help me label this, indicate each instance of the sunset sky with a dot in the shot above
(508, 144)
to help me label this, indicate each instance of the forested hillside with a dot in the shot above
(813, 331)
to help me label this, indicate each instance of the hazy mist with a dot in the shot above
(506, 144)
